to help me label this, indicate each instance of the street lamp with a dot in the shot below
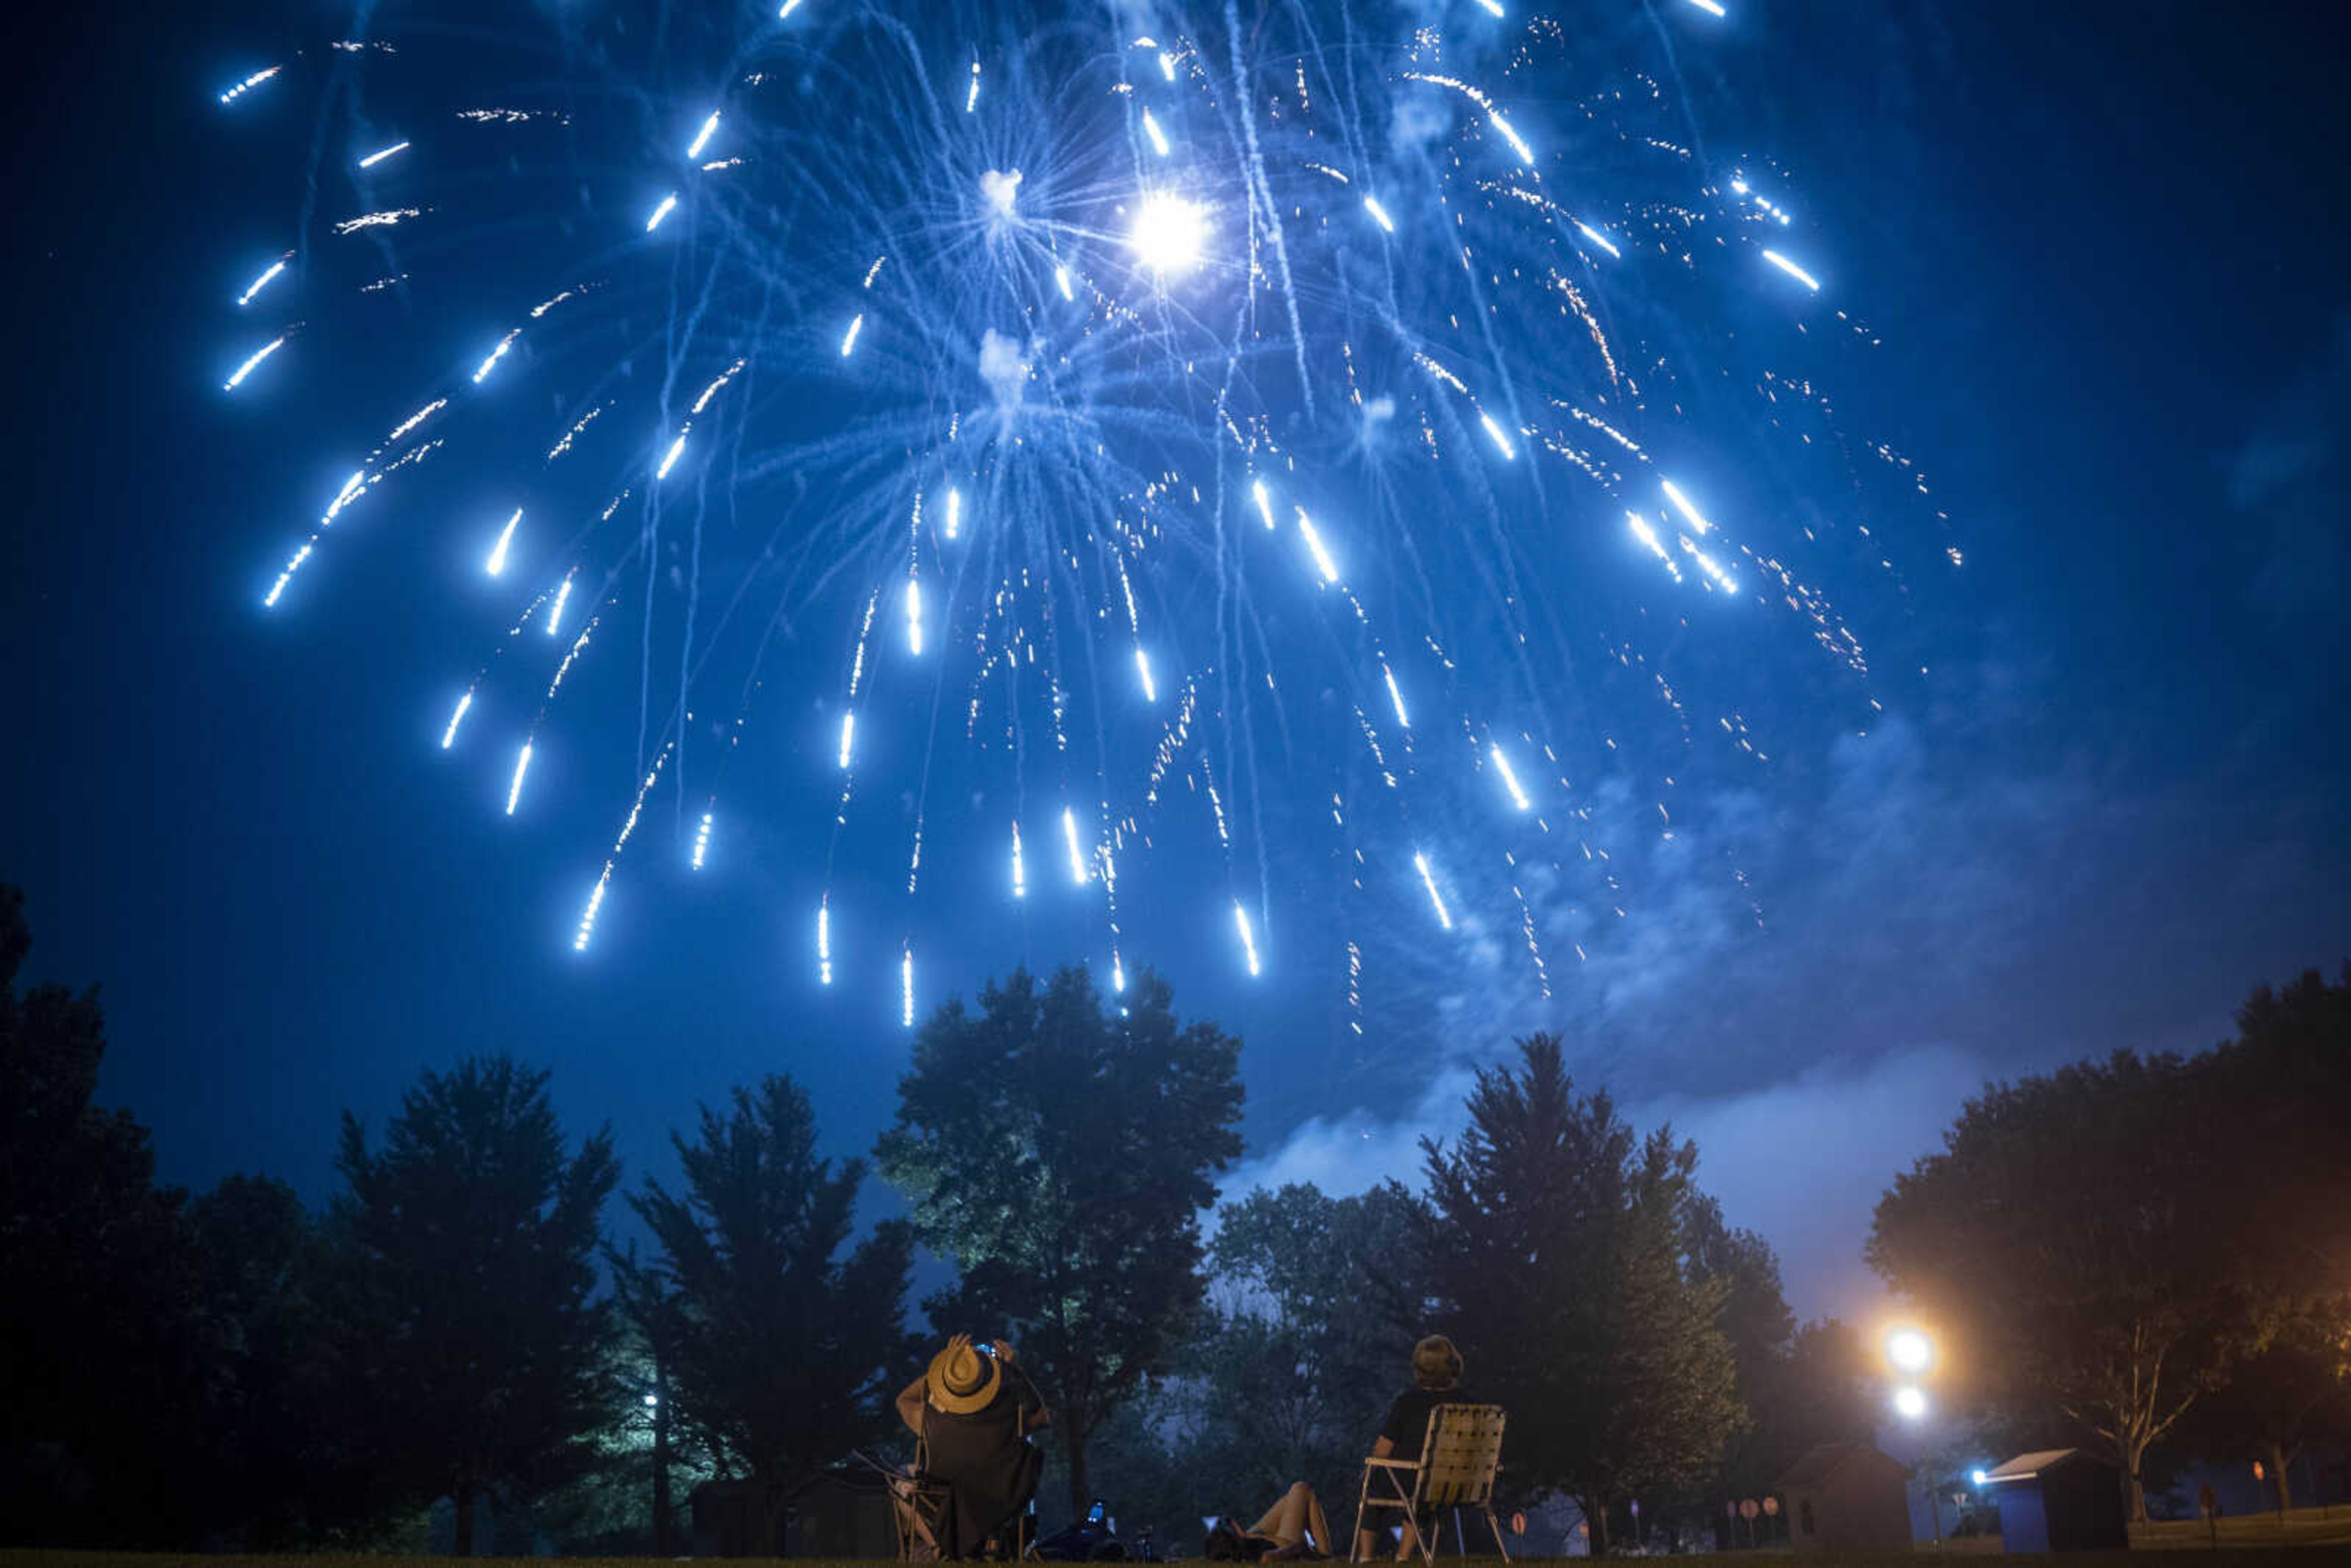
(1910, 1351)
(1909, 1403)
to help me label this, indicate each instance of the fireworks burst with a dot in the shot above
(1190, 387)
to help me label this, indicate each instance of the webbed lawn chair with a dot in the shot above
(1455, 1468)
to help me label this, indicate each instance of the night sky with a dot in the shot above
(2102, 244)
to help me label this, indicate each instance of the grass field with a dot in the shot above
(2225, 1557)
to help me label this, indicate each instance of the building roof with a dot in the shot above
(1814, 1469)
(2024, 1467)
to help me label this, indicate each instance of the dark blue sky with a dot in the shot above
(2102, 244)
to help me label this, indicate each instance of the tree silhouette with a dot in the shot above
(1563, 1251)
(468, 1338)
(1062, 1155)
(777, 1349)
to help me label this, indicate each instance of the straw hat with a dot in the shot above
(1436, 1365)
(961, 1380)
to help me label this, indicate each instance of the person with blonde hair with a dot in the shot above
(1436, 1368)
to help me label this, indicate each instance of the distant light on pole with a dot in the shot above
(1979, 1477)
(1910, 1351)
(652, 1399)
(1909, 1404)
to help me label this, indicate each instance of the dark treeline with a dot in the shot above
(451, 1355)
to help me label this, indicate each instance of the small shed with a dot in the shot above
(2058, 1499)
(1847, 1497)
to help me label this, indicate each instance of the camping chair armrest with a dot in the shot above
(1394, 1464)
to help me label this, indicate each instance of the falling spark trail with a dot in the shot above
(496, 355)
(249, 83)
(1395, 697)
(1602, 240)
(1648, 536)
(849, 338)
(449, 735)
(244, 370)
(702, 840)
(1019, 867)
(668, 205)
(1264, 503)
(1792, 270)
(1322, 562)
(971, 99)
(1711, 7)
(522, 766)
(554, 614)
(954, 513)
(1510, 778)
(1158, 137)
(262, 282)
(914, 623)
(1501, 440)
(588, 916)
(1077, 855)
(373, 159)
(497, 562)
(1248, 937)
(1379, 214)
(1062, 281)
(1142, 667)
(847, 730)
(1683, 505)
(702, 138)
(1429, 880)
(669, 459)
(824, 944)
(906, 985)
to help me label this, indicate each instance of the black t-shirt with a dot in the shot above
(985, 1460)
(1407, 1418)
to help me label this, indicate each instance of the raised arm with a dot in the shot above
(1038, 1418)
(910, 1407)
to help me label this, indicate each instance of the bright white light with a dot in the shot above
(1596, 238)
(849, 338)
(701, 849)
(373, 159)
(971, 99)
(1501, 440)
(954, 513)
(1019, 867)
(1518, 143)
(906, 985)
(522, 766)
(668, 205)
(588, 916)
(1158, 137)
(1077, 855)
(824, 945)
(554, 614)
(702, 138)
(495, 354)
(848, 730)
(238, 377)
(1429, 880)
(1792, 270)
(1509, 778)
(497, 562)
(669, 458)
(789, 7)
(1909, 1350)
(1379, 214)
(264, 281)
(343, 496)
(1169, 233)
(1117, 972)
(1395, 697)
(1978, 1476)
(1909, 1404)
(1142, 668)
(1709, 7)
(1002, 191)
(1248, 939)
(449, 735)
(1062, 281)
(1322, 562)
(1648, 536)
(1493, 7)
(1682, 504)
(915, 618)
(1264, 502)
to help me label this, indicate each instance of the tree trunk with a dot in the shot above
(2132, 1452)
(2277, 1469)
(1073, 1450)
(463, 1500)
(1596, 1524)
(661, 1469)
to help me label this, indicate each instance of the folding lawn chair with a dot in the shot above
(1455, 1468)
(921, 1510)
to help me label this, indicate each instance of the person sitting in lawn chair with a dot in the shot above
(1436, 1370)
(973, 1410)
